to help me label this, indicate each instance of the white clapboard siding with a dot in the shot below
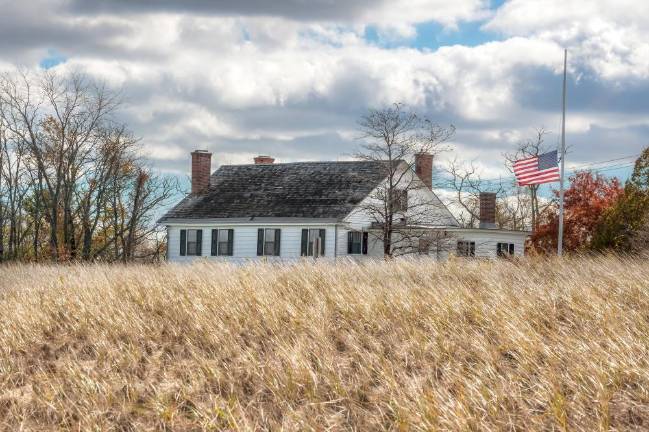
(429, 208)
(486, 241)
(245, 241)
(374, 246)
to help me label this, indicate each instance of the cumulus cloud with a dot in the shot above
(291, 78)
(384, 12)
(609, 37)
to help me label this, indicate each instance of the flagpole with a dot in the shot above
(563, 155)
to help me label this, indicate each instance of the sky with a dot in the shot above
(291, 78)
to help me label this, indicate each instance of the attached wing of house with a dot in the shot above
(289, 210)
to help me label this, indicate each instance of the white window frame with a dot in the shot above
(465, 248)
(194, 243)
(360, 243)
(511, 249)
(266, 243)
(314, 233)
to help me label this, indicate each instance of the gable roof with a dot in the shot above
(283, 190)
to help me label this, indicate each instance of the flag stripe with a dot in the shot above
(526, 170)
(541, 181)
(545, 178)
(524, 164)
(532, 180)
(526, 176)
(549, 174)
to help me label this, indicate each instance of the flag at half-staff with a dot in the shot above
(543, 168)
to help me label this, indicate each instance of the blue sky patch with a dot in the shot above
(432, 35)
(54, 58)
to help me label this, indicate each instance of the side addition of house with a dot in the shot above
(312, 209)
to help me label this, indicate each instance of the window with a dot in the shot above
(466, 249)
(505, 249)
(357, 243)
(268, 241)
(400, 197)
(311, 238)
(424, 246)
(190, 242)
(222, 242)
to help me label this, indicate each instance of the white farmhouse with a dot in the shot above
(292, 210)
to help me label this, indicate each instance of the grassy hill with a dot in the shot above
(408, 345)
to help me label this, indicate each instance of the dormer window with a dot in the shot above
(400, 200)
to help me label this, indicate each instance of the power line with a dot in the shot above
(581, 166)
(572, 170)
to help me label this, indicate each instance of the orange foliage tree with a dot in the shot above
(585, 201)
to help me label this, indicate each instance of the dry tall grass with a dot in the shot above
(535, 345)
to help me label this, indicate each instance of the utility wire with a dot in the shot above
(579, 167)
(571, 170)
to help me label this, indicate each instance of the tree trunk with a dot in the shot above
(37, 217)
(12, 237)
(87, 243)
(86, 231)
(68, 225)
(2, 234)
(130, 242)
(535, 207)
(54, 244)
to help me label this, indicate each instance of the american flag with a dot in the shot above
(537, 169)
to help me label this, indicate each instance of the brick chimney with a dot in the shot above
(487, 210)
(264, 160)
(424, 168)
(201, 170)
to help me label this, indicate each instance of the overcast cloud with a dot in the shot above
(290, 78)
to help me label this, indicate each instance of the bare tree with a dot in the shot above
(13, 174)
(402, 208)
(514, 208)
(3, 192)
(467, 183)
(114, 156)
(525, 149)
(66, 163)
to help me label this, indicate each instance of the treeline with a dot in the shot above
(72, 183)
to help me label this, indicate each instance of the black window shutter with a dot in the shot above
(183, 242)
(305, 242)
(215, 239)
(199, 242)
(350, 240)
(230, 242)
(260, 242)
(365, 239)
(278, 238)
(511, 248)
(322, 241)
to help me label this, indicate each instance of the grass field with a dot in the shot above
(409, 345)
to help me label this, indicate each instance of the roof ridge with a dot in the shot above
(303, 162)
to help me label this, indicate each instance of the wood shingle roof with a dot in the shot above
(286, 190)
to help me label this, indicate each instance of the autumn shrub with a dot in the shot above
(625, 225)
(587, 199)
